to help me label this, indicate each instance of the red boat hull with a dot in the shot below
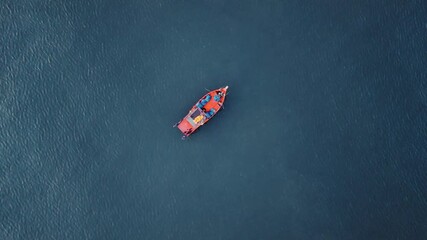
(207, 107)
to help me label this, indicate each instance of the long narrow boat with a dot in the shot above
(202, 111)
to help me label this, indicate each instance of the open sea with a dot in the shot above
(323, 135)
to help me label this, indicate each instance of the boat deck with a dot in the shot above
(213, 104)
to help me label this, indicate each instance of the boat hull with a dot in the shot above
(207, 107)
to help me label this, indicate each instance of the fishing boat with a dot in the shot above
(207, 107)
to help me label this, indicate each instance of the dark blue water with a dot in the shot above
(323, 136)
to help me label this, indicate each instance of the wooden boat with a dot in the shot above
(207, 107)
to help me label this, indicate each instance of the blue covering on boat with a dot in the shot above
(210, 113)
(217, 98)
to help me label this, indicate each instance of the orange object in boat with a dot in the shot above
(202, 111)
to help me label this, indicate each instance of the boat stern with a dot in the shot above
(185, 127)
